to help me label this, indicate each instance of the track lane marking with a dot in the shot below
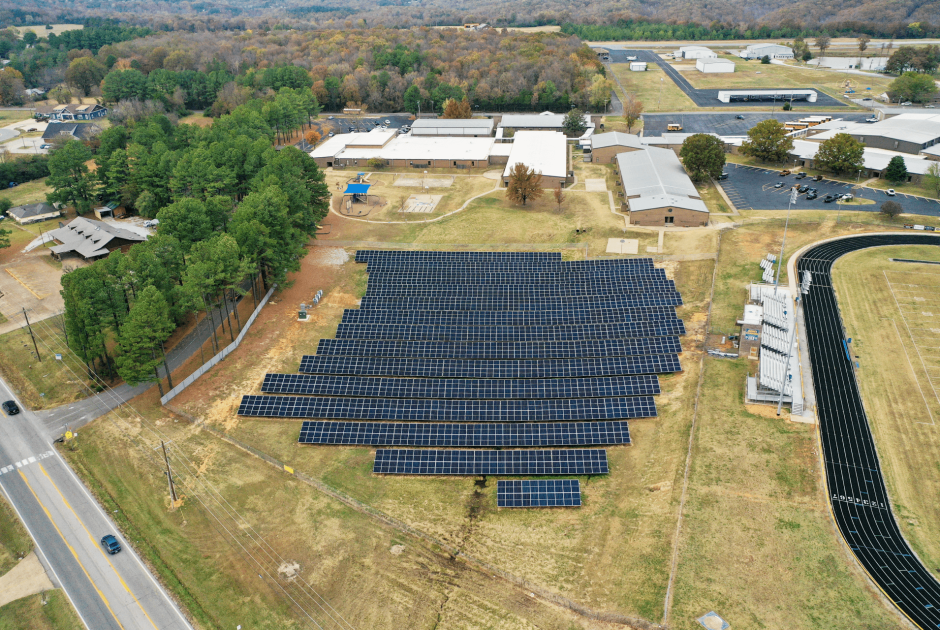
(98, 547)
(72, 549)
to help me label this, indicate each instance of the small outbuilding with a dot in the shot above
(544, 151)
(33, 213)
(716, 65)
(637, 66)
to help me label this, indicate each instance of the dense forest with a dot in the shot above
(230, 207)
(386, 70)
(887, 18)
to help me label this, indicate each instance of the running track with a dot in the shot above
(856, 486)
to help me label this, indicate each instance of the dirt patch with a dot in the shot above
(396, 550)
(289, 570)
(26, 578)
(767, 411)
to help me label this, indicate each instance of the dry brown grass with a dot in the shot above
(889, 310)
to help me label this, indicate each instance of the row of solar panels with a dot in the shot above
(454, 462)
(498, 350)
(489, 368)
(368, 255)
(488, 435)
(527, 291)
(528, 334)
(526, 266)
(560, 317)
(510, 279)
(519, 304)
(433, 410)
(521, 493)
(458, 388)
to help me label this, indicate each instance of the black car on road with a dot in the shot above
(10, 408)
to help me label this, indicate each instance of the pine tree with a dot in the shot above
(147, 327)
(896, 171)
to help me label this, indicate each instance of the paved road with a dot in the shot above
(751, 188)
(860, 502)
(708, 98)
(109, 592)
(729, 124)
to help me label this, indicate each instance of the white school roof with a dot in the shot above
(874, 159)
(537, 121)
(422, 148)
(544, 151)
(615, 139)
(452, 126)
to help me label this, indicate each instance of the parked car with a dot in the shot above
(800, 176)
(13, 184)
(829, 198)
(722, 177)
(388, 122)
(331, 134)
(930, 107)
(45, 146)
(890, 192)
(871, 120)
(784, 173)
(31, 129)
(818, 178)
(802, 189)
(739, 117)
(152, 223)
(847, 197)
(111, 544)
(811, 195)
(10, 407)
(906, 103)
(330, 118)
(778, 185)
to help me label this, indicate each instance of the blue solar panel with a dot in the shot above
(531, 334)
(511, 493)
(566, 317)
(498, 350)
(489, 435)
(405, 278)
(517, 291)
(439, 462)
(486, 368)
(460, 388)
(520, 304)
(429, 410)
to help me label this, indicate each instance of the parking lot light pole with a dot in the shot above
(793, 194)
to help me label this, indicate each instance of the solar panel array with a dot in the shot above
(454, 357)
(513, 493)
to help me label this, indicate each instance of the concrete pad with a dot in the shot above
(652, 249)
(422, 182)
(623, 246)
(26, 578)
(421, 203)
(33, 284)
(595, 185)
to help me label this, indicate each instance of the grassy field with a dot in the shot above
(41, 384)
(908, 188)
(29, 192)
(47, 611)
(15, 542)
(42, 31)
(752, 74)
(887, 309)
(653, 88)
(14, 115)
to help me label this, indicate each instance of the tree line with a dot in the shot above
(234, 215)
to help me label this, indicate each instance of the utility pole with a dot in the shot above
(32, 336)
(169, 473)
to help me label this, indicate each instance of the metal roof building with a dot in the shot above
(91, 239)
(774, 51)
(658, 191)
(466, 127)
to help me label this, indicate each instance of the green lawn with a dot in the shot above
(15, 542)
(46, 611)
(28, 192)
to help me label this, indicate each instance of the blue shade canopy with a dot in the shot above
(357, 189)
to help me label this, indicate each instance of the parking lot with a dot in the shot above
(751, 188)
(728, 124)
(343, 124)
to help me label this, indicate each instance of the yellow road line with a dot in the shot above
(98, 546)
(74, 553)
(25, 286)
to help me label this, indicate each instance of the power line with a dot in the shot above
(212, 493)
